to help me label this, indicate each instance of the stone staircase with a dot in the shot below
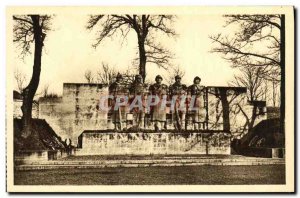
(147, 161)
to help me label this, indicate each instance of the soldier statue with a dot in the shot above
(138, 96)
(158, 111)
(196, 102)
(178, 92)
(119, 112)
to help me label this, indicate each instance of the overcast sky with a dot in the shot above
(68, 52)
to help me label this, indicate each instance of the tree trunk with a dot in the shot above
(225, 107)
(282, 66)
(143, 58)
(274, 95)
(253, 117)
(30, 90)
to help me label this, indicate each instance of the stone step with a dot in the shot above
(146, 163)
(153, 161)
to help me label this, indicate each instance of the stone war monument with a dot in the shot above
(118, 98)
(140, 119)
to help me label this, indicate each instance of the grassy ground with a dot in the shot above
(264, 174)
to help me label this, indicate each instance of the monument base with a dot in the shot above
(151, 143)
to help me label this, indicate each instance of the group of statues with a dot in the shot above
(178, 96)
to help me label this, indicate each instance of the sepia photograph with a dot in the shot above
(150, 99)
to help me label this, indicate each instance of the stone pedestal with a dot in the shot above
(148, 143)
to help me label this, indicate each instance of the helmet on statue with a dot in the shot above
(158, 77)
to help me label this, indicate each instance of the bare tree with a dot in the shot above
(45, 93)
(145, 27)
(129, 76)
(226, 96)
(250, 78)
(176, 71)
(105, 74)
(89, 76)
(20, 79)
(256, 43)
(259, 42)
(45, 90)
(275, 94)
(30, 29)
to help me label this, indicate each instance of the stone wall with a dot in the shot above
(18, 111)
(273, 112)
(30, 156)
(112, 143)
(77, 110)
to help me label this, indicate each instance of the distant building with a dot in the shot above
(18, 101)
